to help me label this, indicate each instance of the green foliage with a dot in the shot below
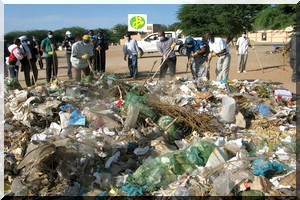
(118, 32)
(223, 20)
(276, 17)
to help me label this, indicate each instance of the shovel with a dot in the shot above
(161, 64)
(150, 72)
(91, 68)
(259, 61)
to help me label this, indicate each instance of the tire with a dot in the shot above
(141, 53)
(182, 51)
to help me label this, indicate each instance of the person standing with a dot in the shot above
(242, 45)
(36, 45)
(81, 52)
(101, 49)
(28, 62)
(95, 60)
(219, 48)
(67, 43)
(294, 60)
(13, 61)
(49, 46)
(165, 48)
(197, 58)
(131, 51)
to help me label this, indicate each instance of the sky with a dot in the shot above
(24, 17)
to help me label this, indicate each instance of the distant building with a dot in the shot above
(274, 36)
(152, 28)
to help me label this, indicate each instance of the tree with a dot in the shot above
(223, 20)
(118, 32)
(276, 17)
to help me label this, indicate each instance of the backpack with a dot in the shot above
(12, 58)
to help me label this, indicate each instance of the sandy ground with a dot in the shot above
(275, 68)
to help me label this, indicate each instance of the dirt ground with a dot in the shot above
(275, 68)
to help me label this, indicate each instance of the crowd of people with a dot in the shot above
(83, 54)
(88, 54)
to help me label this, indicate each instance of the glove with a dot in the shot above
(173, 45)
(213, 54)
(52, 47)
(195, 54)
(50, 52)
(85, 56)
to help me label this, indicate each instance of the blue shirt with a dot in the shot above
(198, 44)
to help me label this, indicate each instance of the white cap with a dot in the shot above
(22, 38)
(68, 33)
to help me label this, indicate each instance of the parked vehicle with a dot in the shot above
(148, 44)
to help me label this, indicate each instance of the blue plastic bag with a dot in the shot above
(264, 110)
(267, 168)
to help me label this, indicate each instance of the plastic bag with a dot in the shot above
(164, 169)
(140, 102)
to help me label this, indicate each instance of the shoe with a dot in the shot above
(239, 72)
(244, 71)
(129, 76)
(135, 77)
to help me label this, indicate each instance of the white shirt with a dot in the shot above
(243, 43)
(218, 45)
(78, 49)
(131, 48)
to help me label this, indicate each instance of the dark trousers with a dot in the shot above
(30, 68)
(13, 71)
(132, 65)
(102, 60)
(51, 67)
(169, 63)
(295, 68)
(69, 65)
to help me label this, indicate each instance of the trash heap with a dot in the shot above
(109, 137)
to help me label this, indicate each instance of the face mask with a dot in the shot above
(244, 35)
(161, 38)
(50, 36)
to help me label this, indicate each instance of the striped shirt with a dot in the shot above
(164, 47)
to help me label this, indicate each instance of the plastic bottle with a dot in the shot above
(132, 116)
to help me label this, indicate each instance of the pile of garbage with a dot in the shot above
(106, 136)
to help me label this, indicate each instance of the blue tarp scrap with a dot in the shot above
(66, 106)
(134, 190)
(76, 118)
(264, 110)
(267, 168)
